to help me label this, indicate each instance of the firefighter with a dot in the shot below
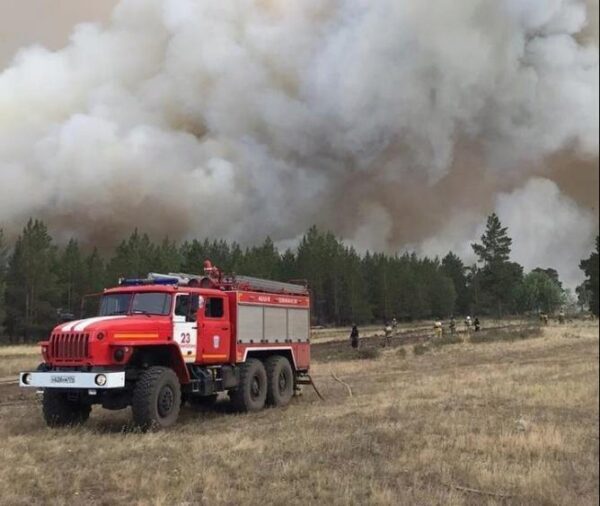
(561, 317)
(476, 324)
(468, 323)
(394, 324)
(437, 328)
(452, 326)
(388, 334)
(354, 337)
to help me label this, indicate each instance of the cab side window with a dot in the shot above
(187, 305)
(214, 307)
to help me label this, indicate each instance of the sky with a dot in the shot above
(45, 22)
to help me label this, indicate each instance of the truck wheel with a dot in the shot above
(156, 398)
(280, 381)
(251, 393)
(60, 411)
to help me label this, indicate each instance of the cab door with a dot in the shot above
(185, 325)
(215, 331)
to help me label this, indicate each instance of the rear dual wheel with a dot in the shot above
(271, 383)
(280, 381)
(251, 392)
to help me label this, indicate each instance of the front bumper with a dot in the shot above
(72, 380)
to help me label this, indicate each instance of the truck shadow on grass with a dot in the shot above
(190, 416)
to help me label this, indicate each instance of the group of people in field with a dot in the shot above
(388, 330)
(390, 327)
(470, 324)
(544, 318)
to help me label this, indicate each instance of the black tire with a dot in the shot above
(280, 381)
(251, 393)
(156, 398)
(60, 411)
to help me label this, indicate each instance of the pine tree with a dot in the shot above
(354, 297)
(70, 277)
(590, 267)
(499, 278)
(584, 296)
(454, 268)
(31, 284)
(289, 270)
(495, 243)
(167, 257)
(133, 258)
(311, 266)
(262, 261)
(94, 281)
(95, 275)
(193, 254)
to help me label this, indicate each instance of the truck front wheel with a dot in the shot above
(156, 398)
(251, 393)
(280, 381)
(60, 411)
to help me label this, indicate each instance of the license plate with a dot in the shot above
(62, 379)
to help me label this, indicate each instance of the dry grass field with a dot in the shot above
(499, 422)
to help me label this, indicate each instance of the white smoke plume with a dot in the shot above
(244, 118)
(548, 230)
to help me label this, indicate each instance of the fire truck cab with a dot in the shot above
(170, 338)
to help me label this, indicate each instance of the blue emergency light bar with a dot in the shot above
(144, 281)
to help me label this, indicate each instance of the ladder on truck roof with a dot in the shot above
(267, 285)
(233, 282)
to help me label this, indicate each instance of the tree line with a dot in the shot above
(41, 282)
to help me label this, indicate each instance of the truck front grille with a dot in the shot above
(69, 346)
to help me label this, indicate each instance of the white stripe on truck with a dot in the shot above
(83, 324)
(269, 348)
(79, 325)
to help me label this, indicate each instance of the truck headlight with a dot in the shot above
(100, 380)
(27, 379)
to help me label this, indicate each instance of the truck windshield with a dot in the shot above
(158, 303)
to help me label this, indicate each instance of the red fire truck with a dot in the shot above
(171, 338)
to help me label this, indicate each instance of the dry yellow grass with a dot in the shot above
(14, 359)
(497, 423)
